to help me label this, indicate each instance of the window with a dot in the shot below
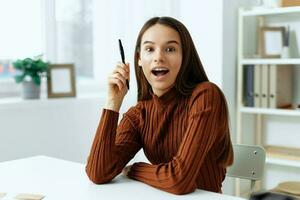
(74, 35)
(24, 29)
(60, 30)
(21, 32)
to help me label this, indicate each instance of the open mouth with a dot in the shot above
(159, 71)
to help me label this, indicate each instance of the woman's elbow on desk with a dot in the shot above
(180, 186)
(181, 190)
(99, 178)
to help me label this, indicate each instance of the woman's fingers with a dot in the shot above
(122, 69)
(126, 170)
(117, 79)
(127, 68)
(119, 76)
(116, 82)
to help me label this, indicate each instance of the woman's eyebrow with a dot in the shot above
(168, 42)
(148, 42)
(173, 41)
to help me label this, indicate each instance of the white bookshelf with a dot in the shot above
(262, 17)
(282, 162)
(274, 61)
(270, 111)
(270, 11)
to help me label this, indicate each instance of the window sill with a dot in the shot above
(10, 90)
(18, 102)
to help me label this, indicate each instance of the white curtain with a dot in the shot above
(70, 34)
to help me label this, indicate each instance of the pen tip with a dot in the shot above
(120, 44)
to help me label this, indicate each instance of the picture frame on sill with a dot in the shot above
(61, 81)
(271, 41)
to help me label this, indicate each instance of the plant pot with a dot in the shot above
(30, 90)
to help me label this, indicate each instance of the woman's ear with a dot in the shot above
(139, 61)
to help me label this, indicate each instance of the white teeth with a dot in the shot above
(159, 69)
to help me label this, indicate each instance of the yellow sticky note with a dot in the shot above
(29, 196)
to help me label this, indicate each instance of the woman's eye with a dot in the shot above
(149, 49)
(170, 49)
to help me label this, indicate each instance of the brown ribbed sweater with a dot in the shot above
(181, 136)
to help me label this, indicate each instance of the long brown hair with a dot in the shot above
(191, 73)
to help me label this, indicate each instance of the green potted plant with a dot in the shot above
(31, 72)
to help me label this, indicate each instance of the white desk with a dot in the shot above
(63, 180)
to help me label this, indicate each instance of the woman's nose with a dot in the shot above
(158, 57)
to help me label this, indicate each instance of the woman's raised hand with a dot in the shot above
(117, 88)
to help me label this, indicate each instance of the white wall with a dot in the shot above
(62, 128)
(204, 21)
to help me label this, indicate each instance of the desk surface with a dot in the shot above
(64, 180)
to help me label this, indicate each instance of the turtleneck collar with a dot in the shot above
(170, 96)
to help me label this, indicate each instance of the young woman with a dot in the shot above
(180, 120)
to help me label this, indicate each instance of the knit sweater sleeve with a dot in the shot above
(113, 146)
(178, 175)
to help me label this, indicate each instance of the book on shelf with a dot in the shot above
(264, 86)
(288, 153)
(252, 86)
(249, 85)
(257, 85)
(280, 90)
(268, 86)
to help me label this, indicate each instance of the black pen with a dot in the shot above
(123, 59)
